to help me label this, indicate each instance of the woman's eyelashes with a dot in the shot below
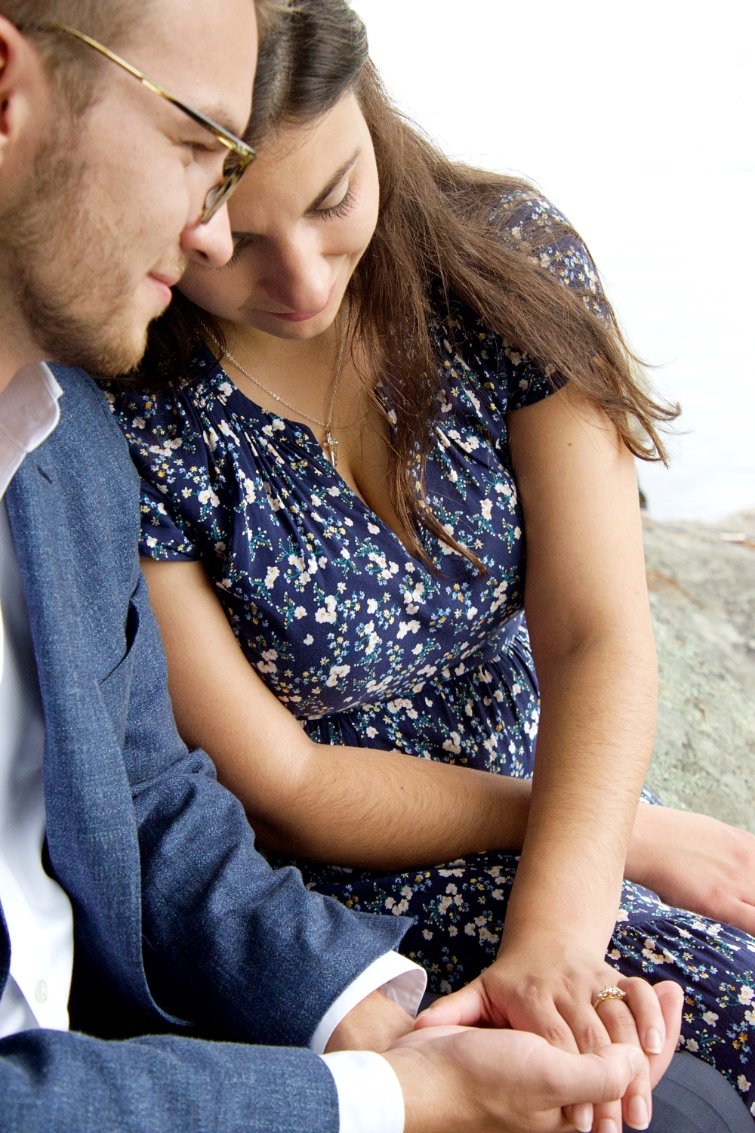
(341, 208)
(244, 240)
(241, 241)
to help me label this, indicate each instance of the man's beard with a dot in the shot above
(66, 282)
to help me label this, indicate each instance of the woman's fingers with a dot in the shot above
(622, 1026)
(647, 1014)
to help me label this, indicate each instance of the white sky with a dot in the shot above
(637, 121)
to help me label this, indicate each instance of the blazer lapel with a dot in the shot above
(91, 831)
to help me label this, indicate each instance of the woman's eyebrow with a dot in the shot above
(339, 175)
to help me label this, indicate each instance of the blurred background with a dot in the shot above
(637, 121)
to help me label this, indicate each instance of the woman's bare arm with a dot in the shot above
(402, 811)
(355, 806)
(591, 634)
(589, 620)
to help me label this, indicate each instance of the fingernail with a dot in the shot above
(582, 1117)
(653, 1041)
(607, 1126)
(637, 1113)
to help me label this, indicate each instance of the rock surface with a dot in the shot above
(702, 592)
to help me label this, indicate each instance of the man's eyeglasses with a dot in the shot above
(240, 154)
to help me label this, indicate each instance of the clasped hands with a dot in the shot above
(553, 998)
(464, 1068)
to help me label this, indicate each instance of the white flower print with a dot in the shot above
(360, 639)
(337, 673)
(327, 612)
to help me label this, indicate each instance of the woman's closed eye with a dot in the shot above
(341, 207)
(241, 241)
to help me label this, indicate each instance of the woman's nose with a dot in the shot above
(300, 278)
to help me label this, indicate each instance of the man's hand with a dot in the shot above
(552, 995)
(504, 1081)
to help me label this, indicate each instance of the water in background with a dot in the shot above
(636, 119)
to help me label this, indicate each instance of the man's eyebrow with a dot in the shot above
(219, 115)
(339, 175)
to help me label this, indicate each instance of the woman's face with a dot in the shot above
(301, 220)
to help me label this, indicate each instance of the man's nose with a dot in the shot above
(209, 244)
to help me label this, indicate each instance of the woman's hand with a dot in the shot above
(513, 1081)
(549, 988)
(696, 863)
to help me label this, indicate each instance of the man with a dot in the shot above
(127, 874)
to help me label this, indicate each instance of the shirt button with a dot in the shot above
(40, 991)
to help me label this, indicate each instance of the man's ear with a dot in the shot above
(23, 83)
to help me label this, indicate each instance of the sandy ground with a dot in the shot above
(702, 591)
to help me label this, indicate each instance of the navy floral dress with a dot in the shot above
(368, 647)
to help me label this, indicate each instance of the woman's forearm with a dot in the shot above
(351, 806)
(598, 711)
(385, 810)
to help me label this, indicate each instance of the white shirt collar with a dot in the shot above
(29, 412)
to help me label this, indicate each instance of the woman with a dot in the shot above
(406, 366)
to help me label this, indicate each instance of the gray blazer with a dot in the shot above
(182, 930)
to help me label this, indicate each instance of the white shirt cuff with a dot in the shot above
(369, 1095)
(398, 978)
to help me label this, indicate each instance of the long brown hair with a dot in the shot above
(435, 244)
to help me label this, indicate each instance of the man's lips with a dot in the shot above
(164, 284)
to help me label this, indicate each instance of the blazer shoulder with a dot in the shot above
(81, 394)
(88, 435)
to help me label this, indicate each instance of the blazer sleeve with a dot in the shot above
(157, 857)
(74, 1084)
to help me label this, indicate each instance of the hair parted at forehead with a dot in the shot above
(309, 56)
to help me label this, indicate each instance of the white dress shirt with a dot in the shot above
(37, 912)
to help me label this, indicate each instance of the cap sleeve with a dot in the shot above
(526, 220)
(172, 466)
(528, 223)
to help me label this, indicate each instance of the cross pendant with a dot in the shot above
(330, 444)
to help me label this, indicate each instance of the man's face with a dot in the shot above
(109, 219)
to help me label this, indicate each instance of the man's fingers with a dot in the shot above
(600, 1078)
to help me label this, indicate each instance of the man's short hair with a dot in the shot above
(72, 67)
(111, 22)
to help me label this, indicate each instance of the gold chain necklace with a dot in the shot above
(329, 442)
